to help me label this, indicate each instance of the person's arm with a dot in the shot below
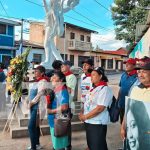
(92, 114)
(123, 130)
(41, 87)
(58, 109)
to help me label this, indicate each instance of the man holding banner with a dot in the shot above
(135, 127)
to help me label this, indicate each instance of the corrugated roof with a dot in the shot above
(10, 21)
(29, 44)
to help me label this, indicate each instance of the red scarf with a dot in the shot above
(87, 75)
(41, 78)
(101, 83)
(133, 72)
(68, 73)
(1, 70)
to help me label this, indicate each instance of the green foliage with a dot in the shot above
(126, 14)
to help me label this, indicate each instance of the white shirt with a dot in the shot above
(101, 95)
(86, 85)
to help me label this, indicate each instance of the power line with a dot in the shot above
(80, 21)
(102, 5)
(106, 29)
(34, 3)
(4, 8)
(26, 20)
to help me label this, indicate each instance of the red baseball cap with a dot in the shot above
(130, 61)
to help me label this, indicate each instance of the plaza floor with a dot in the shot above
(78, 140)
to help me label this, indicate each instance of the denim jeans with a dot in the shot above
(33, 128)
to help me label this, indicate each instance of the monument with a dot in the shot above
(54, 26)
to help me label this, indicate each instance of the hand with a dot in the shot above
(30, 105)
(49, 111)
(123, 132)
(82, 117)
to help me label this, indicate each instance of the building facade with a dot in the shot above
(75, 45)
(7, 40)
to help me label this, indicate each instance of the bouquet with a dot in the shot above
(16, 73)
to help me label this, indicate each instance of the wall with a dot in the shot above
(143, 47)
(36, 51)
(37, 33)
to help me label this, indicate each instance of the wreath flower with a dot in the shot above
(16, 73)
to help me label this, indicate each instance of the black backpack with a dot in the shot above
(114, 110)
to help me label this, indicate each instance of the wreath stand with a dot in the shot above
(11, 116)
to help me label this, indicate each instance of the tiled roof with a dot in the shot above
(121, 51)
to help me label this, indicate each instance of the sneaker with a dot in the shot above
(38, 147)
(29, 148)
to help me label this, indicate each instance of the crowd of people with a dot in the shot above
(58, 89)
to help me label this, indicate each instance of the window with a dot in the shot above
(82, 37)
(72, 35)
(2, 29)
(66, 56)
(110, 63)
(72, 59)
(88, 39)
(37, 58)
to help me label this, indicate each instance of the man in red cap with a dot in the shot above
(128, 78)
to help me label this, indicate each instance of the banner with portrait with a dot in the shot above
(137, 125)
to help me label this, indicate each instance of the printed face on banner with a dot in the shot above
(137, 125)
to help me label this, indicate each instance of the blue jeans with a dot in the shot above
(33, 128)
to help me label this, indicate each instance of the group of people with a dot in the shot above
(135, 121)
(59, 99)
(96, 98)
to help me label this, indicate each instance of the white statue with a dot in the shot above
(54, 26)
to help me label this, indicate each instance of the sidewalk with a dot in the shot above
(78, 140)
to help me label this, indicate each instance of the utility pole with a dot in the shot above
(65, 42)
(21, 40)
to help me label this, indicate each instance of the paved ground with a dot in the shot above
(78, 141)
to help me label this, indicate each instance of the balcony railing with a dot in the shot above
(79, 45)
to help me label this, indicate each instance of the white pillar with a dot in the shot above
(106, 64)
(100, 62)
(119, 65)
(114, 64)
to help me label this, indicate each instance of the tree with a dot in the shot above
(126, 14)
